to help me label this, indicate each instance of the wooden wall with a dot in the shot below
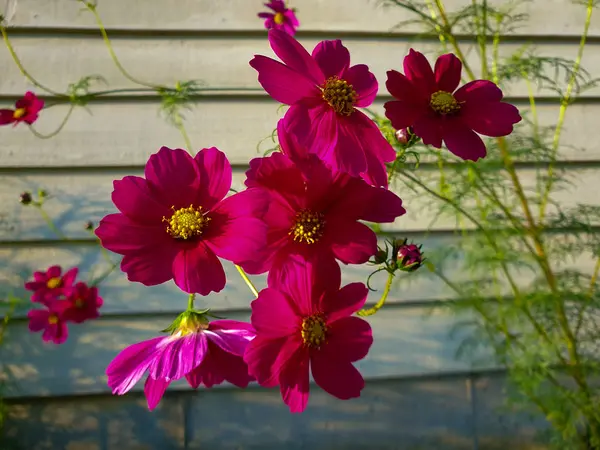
(418, 395)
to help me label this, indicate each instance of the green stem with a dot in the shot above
(105, 275)
(49, 222)
(179, 124)
(5, 320)
(92, 8)
(190, 305)
(563, 108)
(247, 280)
(495, 48)
(24, 72)
(370, 311)
(55, 132)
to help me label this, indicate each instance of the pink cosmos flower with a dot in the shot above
(315, 211)
(83, 303)
(303, 319)
(50, 285)
(324, 92)
(26, 110)
(175, 222)
(50, 321)
(202, 352)
(281, 18)
(428, 103)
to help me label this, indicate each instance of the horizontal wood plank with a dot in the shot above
(407, 343)
(420, 414)
(126, 134)
(80, 197)
(553, 17)
(223, 62)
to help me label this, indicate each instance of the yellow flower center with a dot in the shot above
(186, 223)
(52, 319)
(279, 18)
(314, 330)
(308, 227)
(54, 283)
(340, 95)
(443, 102)
(20, 112)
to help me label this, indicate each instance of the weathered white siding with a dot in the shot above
(418, 395)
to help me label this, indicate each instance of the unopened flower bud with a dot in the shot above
(42, 193)
(89, 225)
(25, 198)
(380, 256)
(402, 136)
(409, 257)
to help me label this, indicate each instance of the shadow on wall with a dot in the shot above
(407, 415)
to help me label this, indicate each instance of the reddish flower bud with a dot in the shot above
(25, 198)
(402, 136)
(409, 257)
(89, 225)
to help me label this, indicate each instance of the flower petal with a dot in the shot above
(237, 231)
(340, 149)
(350, 338)
(281, 82)
(119, 234)
(266, 358)
(215, 176)
(305, 278)
(232, 341)
(429, 128)
(332, 57)
(178, 356)
(150, 267)
(38, 319)
(295, 56)
(273, 316)
(364, 83)
(344, 302)
(338, 378)
(208, 373)
(198, 270)
(479, 91)
(174, 177)
(463, 142)
(130, 365)
(219, 366)
(134, 198)
(276, 172)
(289, 144)
(418, 71)
(402, 114)
(352, 242)
(447, 72)
(403, 89)
(6, 116)
(491, 118)
(294, 382)
(154, 391)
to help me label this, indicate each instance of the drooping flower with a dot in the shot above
(26, 110)
(324, 92)
(316, 211)
(83, 303)
(175, 222)
(304, 320)
(282, 18)
(428, 102)
(51, 321)
(203, 352)
(49, 285)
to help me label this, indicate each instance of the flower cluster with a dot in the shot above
(63, 299)
(300, 216)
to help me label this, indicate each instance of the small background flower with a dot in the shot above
(26, 110)
(282, 18)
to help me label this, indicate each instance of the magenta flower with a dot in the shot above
(314, 211)
(303, 319)
(50, 285)
(175, 222)
(324, 92)
(83, 303)
(427, 102)
(26, 110)
(202, 352)
(50, 321)
(281, 18)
